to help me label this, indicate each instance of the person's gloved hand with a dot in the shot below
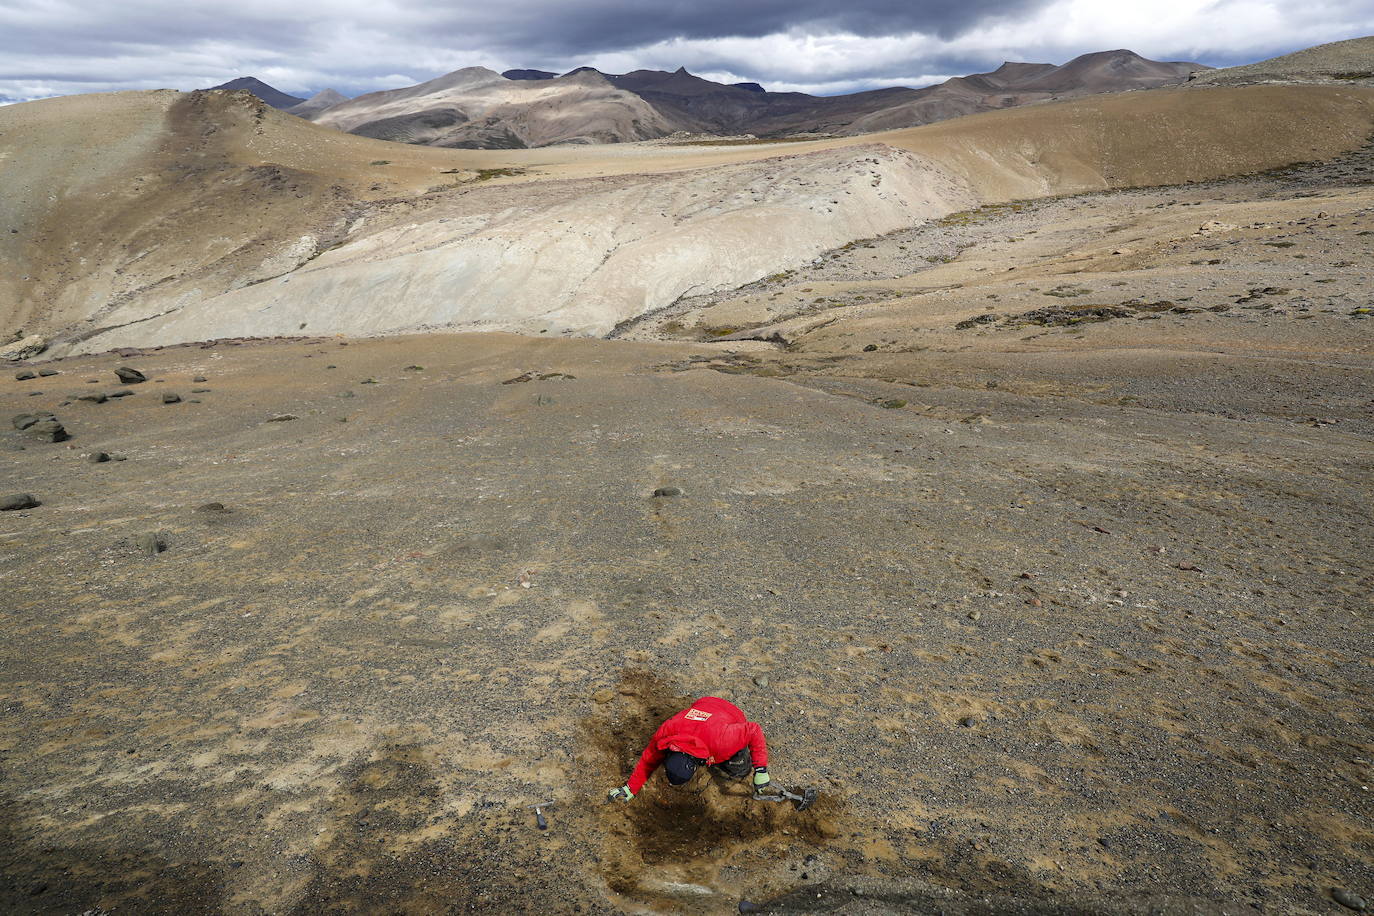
(761, 778)
(623, 794)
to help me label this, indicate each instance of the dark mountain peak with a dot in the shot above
(274, 97)
(529, 75)
(681, 71)
(752, 87)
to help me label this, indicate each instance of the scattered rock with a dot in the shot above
(24, 375)
(282, 418)
(95, 397)
(533, 376)
(121, 393)
(760, 680)
(967, 323)
(17, 501)
(169, 397)
(22, 421)
(892, 404)
(200, 390)
(97, 457)
(48, 373)
(1026, 575)
(130, 376)
(870, 348)
(1187, 567)
(153, 542)
(211, 507)
(968, 722)
(1348, 899)
(748, 906)
(26, 348)
(48, 429)
(199, 378)
(975, 615)
(668, 491)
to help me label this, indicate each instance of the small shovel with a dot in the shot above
(805, 800)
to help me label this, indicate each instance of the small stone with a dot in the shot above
(130, 376)
(975, 615)
(199, 378)
(210, 507)
(282, 418)
(24, 375)
(668, 491)
(893, 404)
(870, 348)
(121, 393)
(968, 722)
(1026, 575)
(97, 457)
(603, 696)
(152, 542)
(169, 397)
(760, 680)
(200, 390)
(22, 421)
(47, 373)
(331, 367)
(748, 906)
(16, 501)
(95, 397)
(1348, 899)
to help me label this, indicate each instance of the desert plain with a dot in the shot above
(1025, 501)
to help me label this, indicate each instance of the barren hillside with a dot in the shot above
(315, 230)
(1013, 473)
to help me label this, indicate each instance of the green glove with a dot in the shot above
(623, 794)
(761, 778)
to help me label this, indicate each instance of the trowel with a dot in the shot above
(805, 800)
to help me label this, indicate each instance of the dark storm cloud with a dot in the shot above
(557, 28)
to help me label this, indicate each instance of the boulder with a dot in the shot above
(49, 430)
(130, 376)
(154, 542)
(17, 501)
(26, 348)
(169, 397)
(24, 375)
(47, 373)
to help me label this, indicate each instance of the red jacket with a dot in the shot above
(711, 729)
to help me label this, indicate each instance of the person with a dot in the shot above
(711, 732)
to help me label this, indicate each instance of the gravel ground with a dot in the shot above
(1127, 675)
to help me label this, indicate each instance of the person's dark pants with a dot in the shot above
(738, 766)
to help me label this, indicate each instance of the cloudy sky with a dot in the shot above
(58, 47)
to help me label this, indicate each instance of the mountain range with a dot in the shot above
(477, 108)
